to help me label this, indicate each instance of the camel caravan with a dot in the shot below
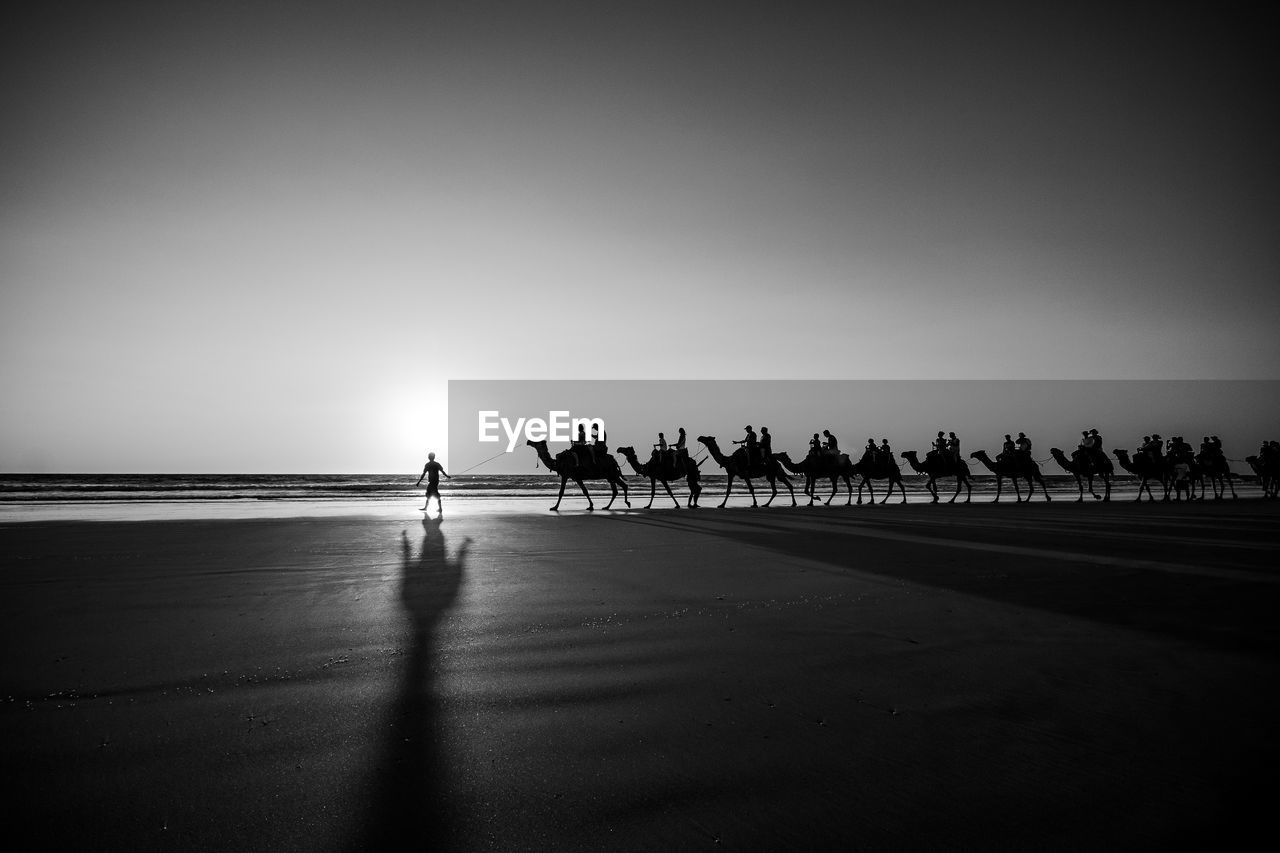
(1178, 470)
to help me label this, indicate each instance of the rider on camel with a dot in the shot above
(939, 450)
(753, 452)
(1007, 449)
(1153, 446)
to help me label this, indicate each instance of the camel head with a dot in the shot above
(627, 452)
(908, 454)
(978, 454)
(707, 439)
(536, 445)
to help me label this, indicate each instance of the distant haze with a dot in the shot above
(263, 237)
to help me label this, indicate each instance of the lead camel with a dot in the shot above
(570, 467)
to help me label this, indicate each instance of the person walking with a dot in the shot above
(432, 471)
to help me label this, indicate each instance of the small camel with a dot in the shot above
(1142, 467)
(738, 465)
(937, 467)
(665, 471)
(567, 464)
(814, 466)
(1083, 466)
(870, 468)
(1014, 469)
(1217, 470)
(1266, 473)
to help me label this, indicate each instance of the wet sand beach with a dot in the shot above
(1047, 676)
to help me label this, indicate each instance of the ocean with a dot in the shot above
(51, 497)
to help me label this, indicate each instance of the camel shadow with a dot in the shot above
(409, 803)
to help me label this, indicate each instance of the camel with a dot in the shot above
(665, 471)
(1015, 469)
(823, 465)
(567, 465)
(1266, 474)
(878, 468)
(1142, 467)
(738, 465)
(1087, 468)
(937, 467)
(1215, 468)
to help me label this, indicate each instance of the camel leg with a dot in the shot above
(560, 497)
(1080, 488)
(787, 482)
(835, 486)
(1231, 486)
(848, 489)
(728, 488)
(751, 489)
(999, 486)
(591, 507)
(667, 486)
(969, 489)
(902, 489)
(1106, 488)
(1044, 489)
(653, 487)
(613, 494)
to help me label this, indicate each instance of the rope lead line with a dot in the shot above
(478, 464)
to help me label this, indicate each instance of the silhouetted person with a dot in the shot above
(766, 445)
(869, 453)
(1096, 447)
(815, 445)
(1007, 449)
(750, 441)
(680, 442)
(1023, 444)
(939, 450)
(886, 452)
(953, 448)
(432, 471)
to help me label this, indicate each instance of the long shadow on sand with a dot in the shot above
(408, 809)
(1228, 612)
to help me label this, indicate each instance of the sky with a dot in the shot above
(262, 237)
